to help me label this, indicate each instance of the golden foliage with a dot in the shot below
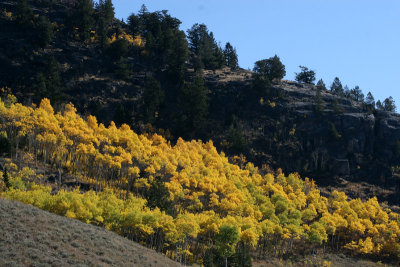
(205, 189)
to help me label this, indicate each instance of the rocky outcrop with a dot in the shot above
(283, 129)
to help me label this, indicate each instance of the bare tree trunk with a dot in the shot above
(59, 175)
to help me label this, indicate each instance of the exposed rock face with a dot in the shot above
(284, 130)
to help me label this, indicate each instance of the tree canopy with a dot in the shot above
(271, 68)
(231, 58)
(305, 75)
(202, 44)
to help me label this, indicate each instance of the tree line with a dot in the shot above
(152, 43)
(272, 69)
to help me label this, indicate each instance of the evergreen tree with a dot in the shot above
(321, 85)
(207, 52)
(134, 24)
(118, 50)
(261, 84)
(177, 54)
(356, 94)
(318, 102)
(6, 179)
(44, 31)
(305, 76)
(379, 105)
(158, 196)
(107, 8)
(105, 15)
(153, 99)
(82, 18)
(24, 14)
(231, 58)
(236, 139)
(122, 69)
(49, 83)
(194, 103)
(346, 91)
(389, 105)
(370, 100)
(122, 115)
(218, 59)
(271, 68)
(40, 87)
(143, 11)
(337, 87)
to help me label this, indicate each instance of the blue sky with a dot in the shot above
(357, 41)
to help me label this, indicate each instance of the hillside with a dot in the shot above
(186, 200)
(33, 237)
(61, 241)
(157, 134)
(345, 146)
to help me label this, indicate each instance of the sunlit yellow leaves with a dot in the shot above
(205, 190)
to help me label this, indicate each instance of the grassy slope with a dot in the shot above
(32, 237)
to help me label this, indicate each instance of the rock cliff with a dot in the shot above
(283, 128)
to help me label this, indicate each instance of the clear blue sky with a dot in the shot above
(355, 40)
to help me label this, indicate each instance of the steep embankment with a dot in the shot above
(342, 144)
(33, 237)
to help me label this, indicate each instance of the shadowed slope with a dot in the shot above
(33, 237)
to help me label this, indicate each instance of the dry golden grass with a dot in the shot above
(33, 237)
(327, 260)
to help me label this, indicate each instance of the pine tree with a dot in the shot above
(40, 87)
(321, 85)
(379, 105)
(53, 81)
(44, 31)
(389, 105)
(82, 18)
(105, 15)
(346, 91)
(153, 99)
(108, 11)
(194, 102)
(134, 24)
(370, 100)
(122, 115)
(118, 50)
(318, 102)
(337, 87)
(356, 94)
(271, 68)
(305, 76)
(24, 14)
(207, 52)
(231, 58)
(158, 196)
(6, 179)
(177, 54)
